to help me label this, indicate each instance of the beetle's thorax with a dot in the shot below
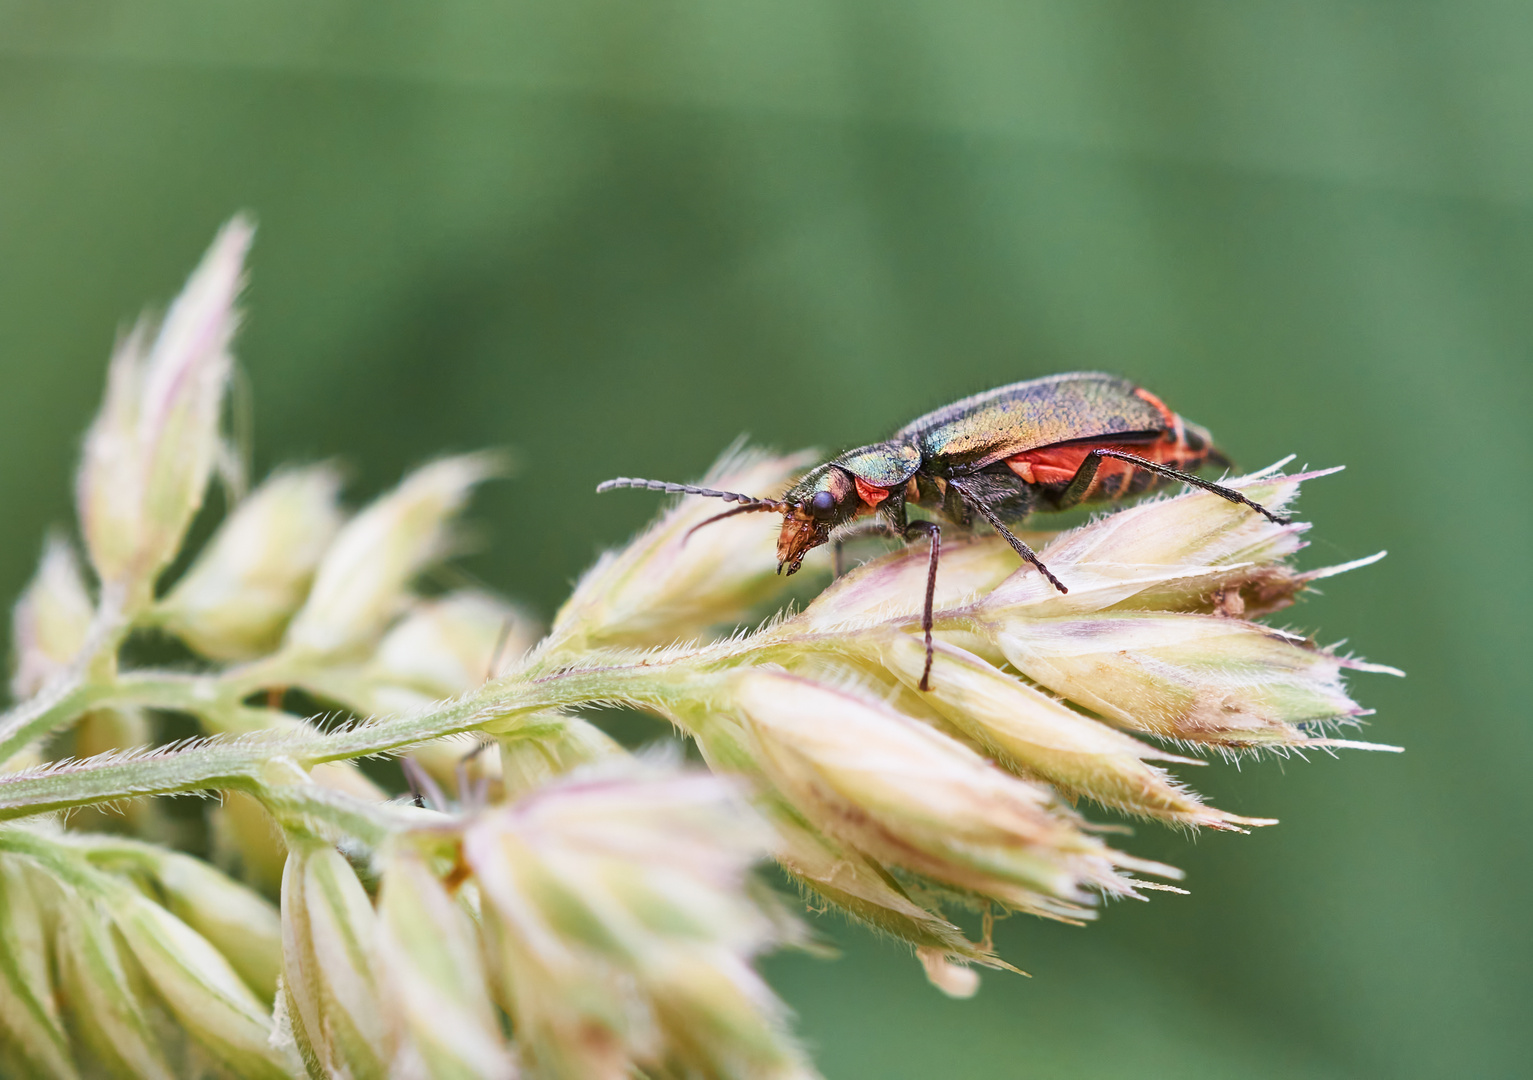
(847, 486)
(885, 465)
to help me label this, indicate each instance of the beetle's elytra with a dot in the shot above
(1046, 444)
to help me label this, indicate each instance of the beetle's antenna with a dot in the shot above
(687, 489)
(763, 507)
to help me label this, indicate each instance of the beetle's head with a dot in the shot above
(823, 499)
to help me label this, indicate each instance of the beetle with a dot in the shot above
(1046, 444)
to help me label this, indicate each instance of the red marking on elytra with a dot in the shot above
(1059, 464)
(1160, 406)
(870, 493)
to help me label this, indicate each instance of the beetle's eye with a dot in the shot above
(823, 504)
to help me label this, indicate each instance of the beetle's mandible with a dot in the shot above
(1046, 444)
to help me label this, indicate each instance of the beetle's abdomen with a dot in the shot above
(1054, 467)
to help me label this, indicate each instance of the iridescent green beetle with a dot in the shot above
(1047, 444)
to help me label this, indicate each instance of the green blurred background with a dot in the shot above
(615, 235)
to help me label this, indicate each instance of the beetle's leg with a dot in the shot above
(933, 531)
(956, 508)
(1084, 475)
(1027, 553)
(1080, 483)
